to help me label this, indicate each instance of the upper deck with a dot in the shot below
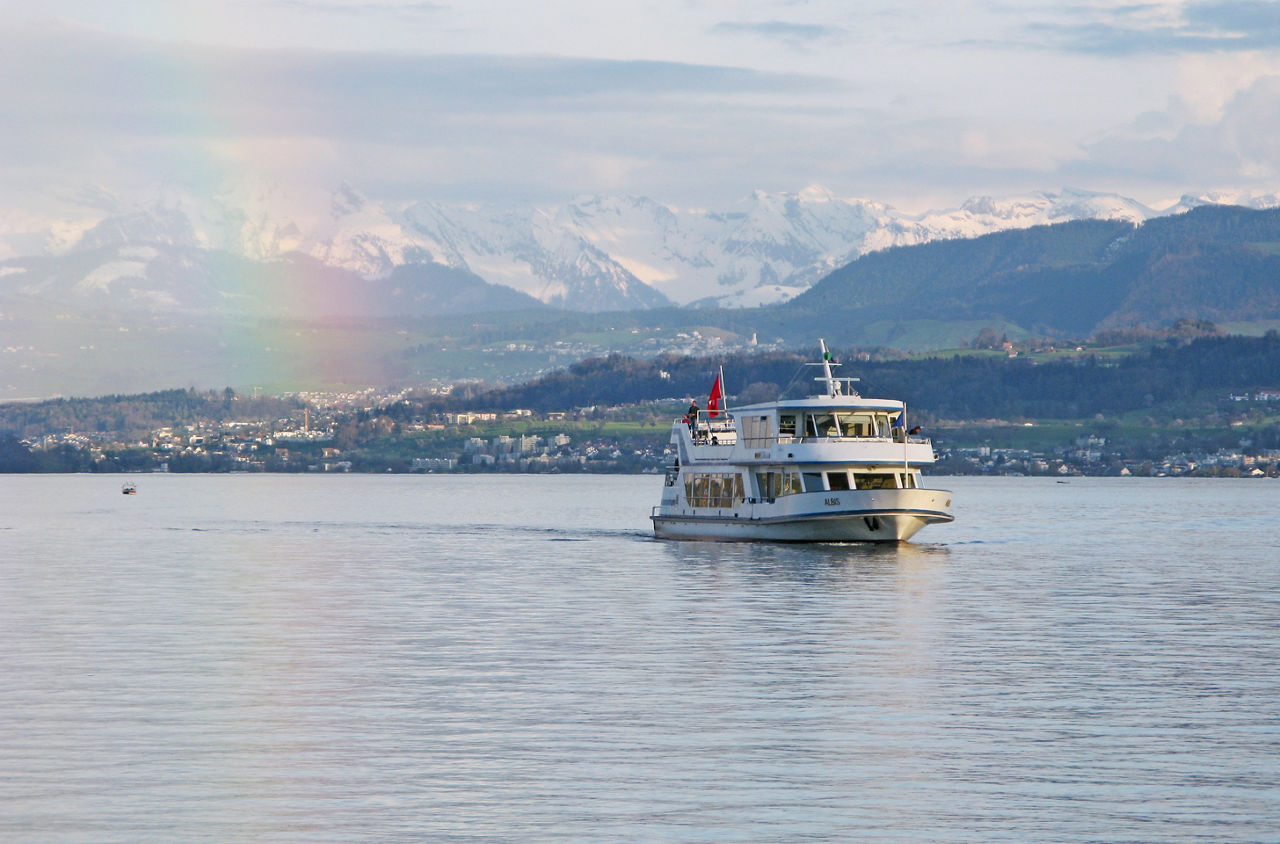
(838, 426)
(861, 431)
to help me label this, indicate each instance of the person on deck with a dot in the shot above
(692, 415)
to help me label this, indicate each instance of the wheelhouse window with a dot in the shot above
(861, 424)
(821, 425)
(876, 480)
(837, 423)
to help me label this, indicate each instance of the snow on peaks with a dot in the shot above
(816, 193)
(1249, 199)
(1043, 208)
(593, 252)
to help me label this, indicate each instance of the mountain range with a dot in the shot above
(264, 252)
(1213, 263)
(334, 289)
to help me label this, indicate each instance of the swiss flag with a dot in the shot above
(713, 403)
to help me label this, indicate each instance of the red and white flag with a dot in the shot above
(713, 403)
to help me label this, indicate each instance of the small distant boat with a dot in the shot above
(129, 488)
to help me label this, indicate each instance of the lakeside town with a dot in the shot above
(378, 431)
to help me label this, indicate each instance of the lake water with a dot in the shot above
(434, 658)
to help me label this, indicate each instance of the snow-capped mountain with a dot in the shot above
(227, 252)
(534, 250)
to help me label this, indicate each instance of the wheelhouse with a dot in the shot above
(763, 426)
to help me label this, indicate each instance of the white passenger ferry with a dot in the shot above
(833, 467)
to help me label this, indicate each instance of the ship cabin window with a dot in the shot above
(876, 480)
(821, 425)
(786, 425)
(908, 480)
(703, 489)
(838, 480)
(776, 483)
(844, 423)
(862, 423)
(813, 482)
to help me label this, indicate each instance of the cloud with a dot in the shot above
(1207, 27)
(791, 34)
(1259, 19)
(342, 7)
(913, 116)
(81, 104)
(1241, 149)
(144, 88)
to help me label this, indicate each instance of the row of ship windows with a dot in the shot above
(703, 489)
(707, 490)
(757, 431)
(835, 424)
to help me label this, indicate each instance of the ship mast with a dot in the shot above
(833, 384)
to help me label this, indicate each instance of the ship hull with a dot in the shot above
(888, 516)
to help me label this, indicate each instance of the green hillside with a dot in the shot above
(1219, 263)
(1172, 374)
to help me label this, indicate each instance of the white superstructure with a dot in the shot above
(833, 467)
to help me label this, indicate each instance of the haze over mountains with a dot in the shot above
(263, 252)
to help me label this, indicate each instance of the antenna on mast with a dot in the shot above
(833, 385)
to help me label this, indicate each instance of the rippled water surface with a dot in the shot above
(515, 658)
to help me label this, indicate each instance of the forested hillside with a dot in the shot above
(137, 414)
(952, 387)
(1219, 263)
(1165, 375)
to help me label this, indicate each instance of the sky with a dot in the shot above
(696, 103)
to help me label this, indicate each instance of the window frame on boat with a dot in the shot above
(835, 423)
(777, 482)
(713, 490)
